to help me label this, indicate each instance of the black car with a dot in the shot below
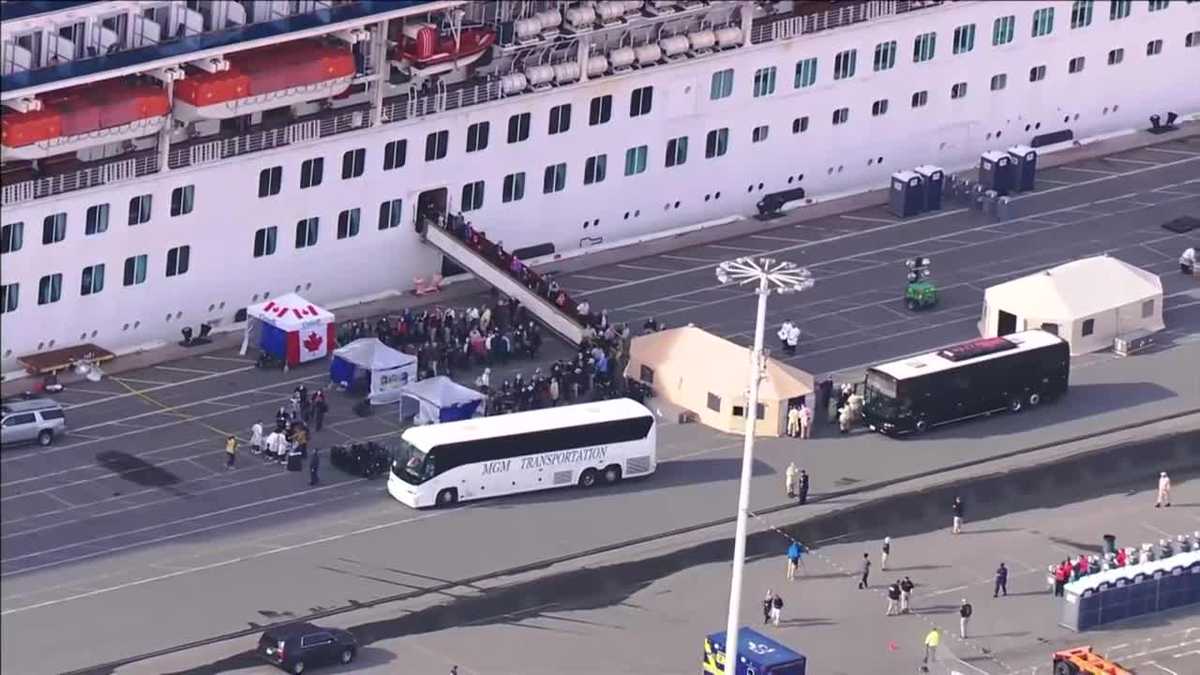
(367, 460)
(295, 647)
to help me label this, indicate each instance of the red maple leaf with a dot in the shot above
(313, 342)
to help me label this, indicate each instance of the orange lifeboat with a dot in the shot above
(85, 116)
(425, 48)
(265, 78)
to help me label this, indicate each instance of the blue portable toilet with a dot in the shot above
(757, 655)
(907, 196)
(995, 172)
(933, 178)
(1024, 161)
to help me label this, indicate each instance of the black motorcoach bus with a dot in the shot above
(969, 379)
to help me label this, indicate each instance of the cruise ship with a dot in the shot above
(170, 162)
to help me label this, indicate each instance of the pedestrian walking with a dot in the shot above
(803, 486)
(964, 617)
(893, 594)
(1001, 581)
(906, 588)
(793, 560)
(864, 571)
(776, 609)
(789, 477)
(256, 437)
(230, 452)
(932, 639)
(314, 465)
(883, 555)
(806, 421)
(767, 605)
(793, 422)
(320, 407)
(958, 514)
(1164, 490)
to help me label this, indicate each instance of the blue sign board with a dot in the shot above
(757, 655)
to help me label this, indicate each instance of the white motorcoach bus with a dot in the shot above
(583, 445)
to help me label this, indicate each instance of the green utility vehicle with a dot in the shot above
(921, 293)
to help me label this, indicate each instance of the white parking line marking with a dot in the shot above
(768, 237)
(177, 369)
(117, 397)
(231, 359)
(643, 268)
(1099, 171)
(1173, 152)
(137, 380)
(1129, 161)
(866, 219)
(231, 561)
(594, 277)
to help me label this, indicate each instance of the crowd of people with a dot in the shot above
(295, 422)
(450, 342)
(1069, 570)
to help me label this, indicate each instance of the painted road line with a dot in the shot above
(996, 228)
(229, 359)
(642, 268)
(181, 383)
(136, 380)
(593, 277)
(231, 561)
(890, 226)
(767, 237)
(1128, 161)
(866, 219)
(1173, 152)
(725, 247)
(1099, 171)
(192, 371)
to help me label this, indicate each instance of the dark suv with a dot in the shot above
(297, 646)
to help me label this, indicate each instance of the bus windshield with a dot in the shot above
(410, 464)
(880, 395)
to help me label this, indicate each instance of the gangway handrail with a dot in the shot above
(547, 312)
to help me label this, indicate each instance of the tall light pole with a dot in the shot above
(770, 276)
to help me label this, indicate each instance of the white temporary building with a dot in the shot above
(384, 371)
(1087, 302)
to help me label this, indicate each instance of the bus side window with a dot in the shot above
(430, 471)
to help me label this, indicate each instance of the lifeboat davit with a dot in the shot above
(81, 117)
(426, 49)
(261, 79)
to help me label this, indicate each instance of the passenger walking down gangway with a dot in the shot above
(488, 260)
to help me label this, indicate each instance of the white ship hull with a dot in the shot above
(859, 154)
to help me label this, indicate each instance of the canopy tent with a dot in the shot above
(1087, 302)
(439, 399)
(289, 328)
(367, 361)
(707, 375)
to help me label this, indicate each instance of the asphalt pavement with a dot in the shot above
(135, 507)
(648, 612)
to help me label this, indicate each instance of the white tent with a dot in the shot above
(439, 399)
(290, 328)
(1087, 302)
(389, 370)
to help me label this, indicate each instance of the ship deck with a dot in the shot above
(134, 509)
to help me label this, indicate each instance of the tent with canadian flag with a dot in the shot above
(290, 328)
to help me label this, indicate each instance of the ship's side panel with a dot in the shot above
(224, 275)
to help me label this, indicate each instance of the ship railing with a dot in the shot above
(80, 179)
(782, 27)
(208, 150)
(203, 152)
(405, 107)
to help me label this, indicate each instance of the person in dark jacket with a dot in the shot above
(957, 507)
(1001, 581)
(803, 487)
(314, 466)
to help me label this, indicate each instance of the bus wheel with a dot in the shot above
(588, 478)
(447, 497)
(921, 426)
(1034, 399)
(612, 474)
(1014, 405)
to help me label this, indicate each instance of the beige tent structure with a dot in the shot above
(1087, 302)
(708, 375)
